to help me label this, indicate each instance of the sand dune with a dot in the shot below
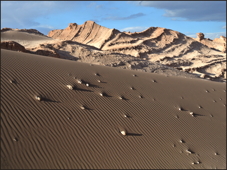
(170, 122)
(24, 38)
(72, 50)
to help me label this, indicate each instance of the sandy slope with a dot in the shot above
(57, 132)
(72, 50)
(28, 40)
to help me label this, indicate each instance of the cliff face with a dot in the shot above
(145, 44)
(89, 33)
(198, 56)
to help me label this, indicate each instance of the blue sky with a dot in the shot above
(187, 17)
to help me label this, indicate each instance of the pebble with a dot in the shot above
(38, 98)
(191, 113)
(123, 132)
(82, 107)
(70, 87)
(79, 81)
(15, 139)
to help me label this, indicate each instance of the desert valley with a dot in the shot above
(92, 97)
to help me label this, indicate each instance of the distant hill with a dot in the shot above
(154, 44)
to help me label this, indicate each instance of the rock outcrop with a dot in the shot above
(168, 47)
(5, 29)
(200, 36)
(139, 44)
(12, 45)
(217, 44)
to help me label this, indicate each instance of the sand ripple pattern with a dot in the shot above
(56, 133)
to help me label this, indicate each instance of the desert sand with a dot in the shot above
(28, 40)
(69, 104)
(110, 118)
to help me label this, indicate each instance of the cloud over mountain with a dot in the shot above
(191, 10)
(125, 18)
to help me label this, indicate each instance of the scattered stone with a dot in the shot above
(189, 151)
(192, 114)
(70, 87)
(79, 81)
(127, 116)
(15, 139)
(12, 81)
(123, 132)
(82, 107)
(38, 98)
(182, 141)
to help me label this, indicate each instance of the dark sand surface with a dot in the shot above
(79, 128)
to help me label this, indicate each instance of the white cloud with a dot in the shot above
(224, 27)
(125, 18)
(191, 10)
(214, 35)
(95, 5)
(45, 26)
(134, 29)
(24, 13)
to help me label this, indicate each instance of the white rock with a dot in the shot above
(191, 113)
(79, 81)
(82, 107)
(123, 132)
(70, 87)
(38, 98)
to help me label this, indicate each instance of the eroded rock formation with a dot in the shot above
(217, 43)
(12, 45)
